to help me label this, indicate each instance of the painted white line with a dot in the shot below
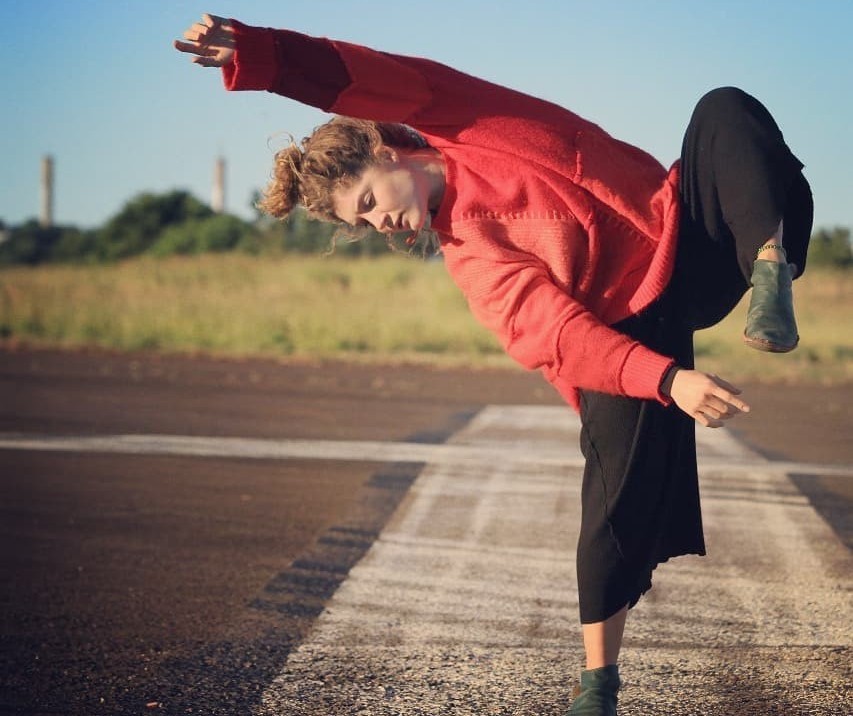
(467, 602)
(264, 449)
(564, 453)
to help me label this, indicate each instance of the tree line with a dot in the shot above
(176, 222)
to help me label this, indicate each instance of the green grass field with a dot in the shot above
(390, 308)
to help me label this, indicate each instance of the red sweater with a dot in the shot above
(551, 228)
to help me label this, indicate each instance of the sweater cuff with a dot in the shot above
(254, 64)
(643, 372)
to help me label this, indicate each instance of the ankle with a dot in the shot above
(598, 664)
(772, 251)
(606, 670)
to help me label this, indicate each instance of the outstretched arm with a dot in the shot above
(350, 79)
(211, 41)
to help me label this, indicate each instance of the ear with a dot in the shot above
(387, 154)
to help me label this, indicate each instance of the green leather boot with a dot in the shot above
(597, 696)
(770, 322)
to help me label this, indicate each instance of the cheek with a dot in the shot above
(404, 188)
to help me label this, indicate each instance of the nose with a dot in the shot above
(383, 223)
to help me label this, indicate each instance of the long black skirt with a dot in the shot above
(640, 494)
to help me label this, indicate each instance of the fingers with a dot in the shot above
(196, 32)
(211, 20)
(717, 408)
(724, 406)
(194, 48)
(707, 422)
(727, 402)
(211, 41)
(208, 61)
(210, 30)
(728, 394)
(193, 42)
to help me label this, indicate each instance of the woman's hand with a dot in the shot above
(708, 399)
(211, 40)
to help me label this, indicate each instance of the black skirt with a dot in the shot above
(640, 494)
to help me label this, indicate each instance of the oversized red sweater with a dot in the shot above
(551, 228)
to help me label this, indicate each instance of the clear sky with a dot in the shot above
(97, 84)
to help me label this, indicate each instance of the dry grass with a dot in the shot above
(391, 308)
(287, 306)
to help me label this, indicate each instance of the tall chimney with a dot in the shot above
(46, 217)
(217, 199)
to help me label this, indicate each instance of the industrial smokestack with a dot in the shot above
(46, 216)
(217, 199)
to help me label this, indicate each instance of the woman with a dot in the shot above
(588, 260)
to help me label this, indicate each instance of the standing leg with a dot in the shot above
(602, 641)
(600, 680)
(640, 506)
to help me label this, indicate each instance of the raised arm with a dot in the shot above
(350, 79)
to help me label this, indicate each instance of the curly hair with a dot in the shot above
(334, 156)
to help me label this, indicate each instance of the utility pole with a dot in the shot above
(46, 216)
(217, 199)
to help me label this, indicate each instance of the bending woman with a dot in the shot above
(588, 260)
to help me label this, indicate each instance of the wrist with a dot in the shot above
(668, 379)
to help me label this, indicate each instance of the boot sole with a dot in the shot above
(768, 346)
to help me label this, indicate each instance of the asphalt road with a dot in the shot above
(180, 583)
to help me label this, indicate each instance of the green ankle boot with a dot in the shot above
(770, 323)
(597, 696)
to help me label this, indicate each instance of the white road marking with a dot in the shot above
(466, 603)
(719, 449)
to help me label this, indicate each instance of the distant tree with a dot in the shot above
(139, 224)
(302, 234)
(28, 243)
(74, 246)
(31, 243)
(220, 232)
(831, 247)
(259, 216)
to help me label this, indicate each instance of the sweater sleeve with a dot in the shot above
(357, 81)
(542, 327)
(307, 69)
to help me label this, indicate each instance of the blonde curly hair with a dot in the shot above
(335, 155)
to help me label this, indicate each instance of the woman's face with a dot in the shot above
(391, 196)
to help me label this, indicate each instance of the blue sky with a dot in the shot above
(97, 84)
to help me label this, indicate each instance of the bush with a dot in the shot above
(143, 219)
(221, 232)
(28, 243)
(31, 243)
(831, 247)
(74, 246)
